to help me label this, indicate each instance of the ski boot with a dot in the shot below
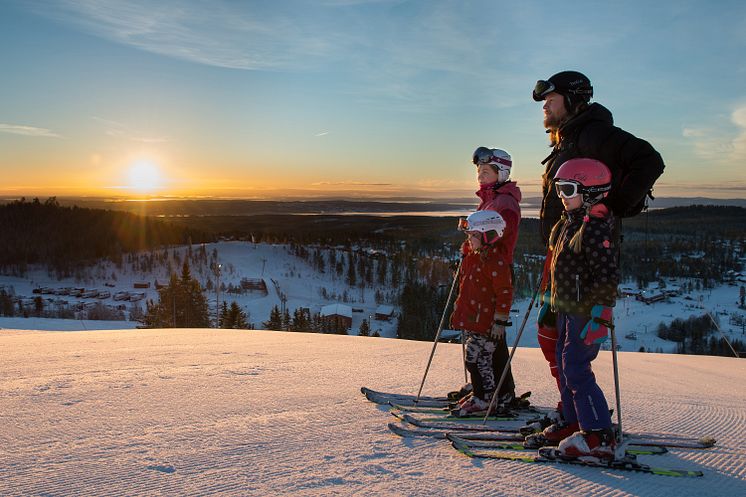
(552, 435)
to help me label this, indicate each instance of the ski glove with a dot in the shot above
(596, 331)
(546, 318)
(497, 332)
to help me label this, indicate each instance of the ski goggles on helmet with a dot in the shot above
(483, 155)
(567, 189)
(570, 189)
(542, 89)
(488, 237)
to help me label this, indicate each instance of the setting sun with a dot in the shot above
(144, 176)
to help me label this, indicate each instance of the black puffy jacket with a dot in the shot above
(590, 277)
(634, 163)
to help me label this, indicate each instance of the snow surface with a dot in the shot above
(227, 412)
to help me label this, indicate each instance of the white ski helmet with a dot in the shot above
(499, 159)
(485, 221)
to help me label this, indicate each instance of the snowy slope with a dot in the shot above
(207, 412)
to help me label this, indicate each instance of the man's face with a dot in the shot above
(554, 110)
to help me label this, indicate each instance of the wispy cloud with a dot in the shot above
(723, 143)
(323, 133)
(348, 183)
(223, 34)
(119, 130)
(17, 129)
(738, 117)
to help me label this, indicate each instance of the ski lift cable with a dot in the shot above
(738, 356)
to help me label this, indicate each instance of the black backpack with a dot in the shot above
(619, 175)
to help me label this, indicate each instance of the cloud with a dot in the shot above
(693, 133)
(118, 130)
(323, 133)
(738, 117)
(17, 129)
(348, 183)
(722, 143)
(231, 35)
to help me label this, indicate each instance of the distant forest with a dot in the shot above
(696, 241)
(415, 254)
(35, 232)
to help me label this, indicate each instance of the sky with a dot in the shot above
(352, 97)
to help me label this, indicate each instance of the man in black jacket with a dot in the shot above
(578, 128)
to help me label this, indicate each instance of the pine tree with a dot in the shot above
(351, 276)
(181, 304)
(364, 329)
(275, 319)
(382, 270)
(285, 320)
(224, 318)
(237, 317)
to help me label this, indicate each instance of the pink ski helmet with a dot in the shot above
(582, 176)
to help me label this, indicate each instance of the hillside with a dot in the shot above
(206, 412)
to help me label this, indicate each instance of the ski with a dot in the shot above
(436, 409)
(639, 438)
(403, 399)
(465, 424)
(701, 443)
(496, 440)
(421, 409)
(409, 431)
(445, 416)
(550, 456)
(632, 449)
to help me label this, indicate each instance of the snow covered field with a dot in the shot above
(293, 278)
(223, 412)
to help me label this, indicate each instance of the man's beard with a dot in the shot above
(551, 122)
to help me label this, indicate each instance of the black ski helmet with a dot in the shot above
(573, 85)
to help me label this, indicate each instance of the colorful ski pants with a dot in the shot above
(479, 351)
(582, 398)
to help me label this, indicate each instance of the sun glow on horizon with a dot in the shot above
(144, 177)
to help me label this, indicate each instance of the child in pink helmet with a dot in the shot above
(584, 277)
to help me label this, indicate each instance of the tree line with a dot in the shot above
(36, 232)
(694, 336)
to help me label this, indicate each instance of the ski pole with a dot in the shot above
(515, 346)
(616, 385)
(463, 355)
(440, 328)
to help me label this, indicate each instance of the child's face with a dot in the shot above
(475, 239)
(572, 203)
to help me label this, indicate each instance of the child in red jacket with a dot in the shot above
(483, 305)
